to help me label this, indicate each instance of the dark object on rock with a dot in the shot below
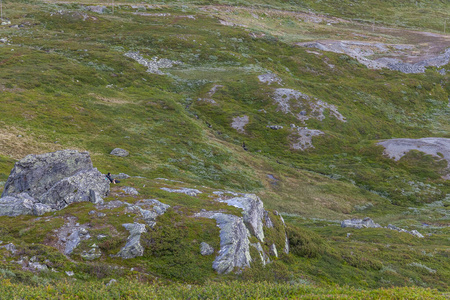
(119, 152)
(51, 181)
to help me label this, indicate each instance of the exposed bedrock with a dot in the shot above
(51, 181)
(438, 147)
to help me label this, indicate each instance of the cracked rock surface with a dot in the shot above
(51, 181)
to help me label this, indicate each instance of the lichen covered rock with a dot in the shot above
(51, 181)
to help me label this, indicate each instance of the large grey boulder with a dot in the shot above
(76, 188)
(51, 181)
(22, 204)
(234, 244)
(133, 247)
(253, 213)
(35, 174)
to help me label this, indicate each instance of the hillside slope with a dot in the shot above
(285, 99)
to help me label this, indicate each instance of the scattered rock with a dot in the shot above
(189, 192)
(298, 104)
(111, 282)
(133, 247)
(92, 254)
(97, 9)
(119, 152)
(75, 238)
(239, 123)
(10, 247)
(269, 78)
(149, 209)
(111, 205)
(70, 273)
(206, 249)
(211, 93)
(121, 176)
(129, 190)
(369, 223)
(154, 64)
(416, 233)
(38, 267)
(360, 223)
(412, 232)
(304, 137)
(275, 127)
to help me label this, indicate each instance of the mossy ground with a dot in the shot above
(65, 83)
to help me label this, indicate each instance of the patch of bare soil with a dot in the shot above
(420, 50)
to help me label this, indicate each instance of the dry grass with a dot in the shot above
(17, 143)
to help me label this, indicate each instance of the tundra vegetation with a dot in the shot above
(223, 96)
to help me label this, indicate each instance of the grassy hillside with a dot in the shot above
(65, 82)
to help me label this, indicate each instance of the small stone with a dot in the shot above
(119, 152)
(206, 249)
(70, 273)
(112, 281)
(130, 190)
(10, 247)
(101, 215)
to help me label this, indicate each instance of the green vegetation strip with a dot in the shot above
(211, 290)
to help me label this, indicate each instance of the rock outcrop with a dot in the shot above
(189, 192)
(42, 183)
(133, 247)
(234, 244)
(369, 223)
(235, 233)
(253, 213)
(149, 210)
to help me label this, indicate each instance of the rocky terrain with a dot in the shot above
(298, 143)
